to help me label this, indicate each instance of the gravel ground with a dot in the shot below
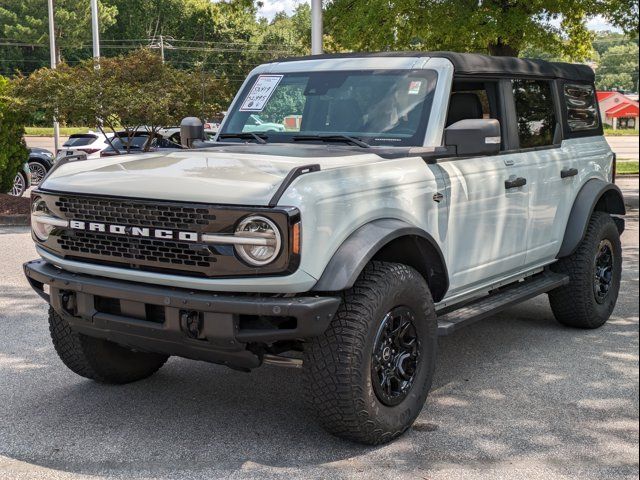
(515, 396)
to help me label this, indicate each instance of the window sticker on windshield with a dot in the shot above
(414, 87)
(260, 93)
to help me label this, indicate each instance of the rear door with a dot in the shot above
(549, 163)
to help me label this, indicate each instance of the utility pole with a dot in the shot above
(316, 27)
(95, 30)
(52, 47)
(162, 44)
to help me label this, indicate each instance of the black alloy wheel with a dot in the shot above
(394, 360)
(603, 272)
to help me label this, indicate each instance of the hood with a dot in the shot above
(235, 175)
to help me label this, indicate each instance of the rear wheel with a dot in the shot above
(594, 270)
(100, 360)
(367, 377)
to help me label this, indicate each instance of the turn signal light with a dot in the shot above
(295, 248)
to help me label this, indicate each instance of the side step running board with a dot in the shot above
(501, 299)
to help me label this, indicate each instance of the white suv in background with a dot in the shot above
(90, 143)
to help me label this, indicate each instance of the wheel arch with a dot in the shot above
(389, 240)
(38, 159)
(595, 195)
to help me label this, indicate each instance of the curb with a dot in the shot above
(15, 220)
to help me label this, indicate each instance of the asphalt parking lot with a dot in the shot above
(515, 396)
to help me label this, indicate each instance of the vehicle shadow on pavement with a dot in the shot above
(515, 386)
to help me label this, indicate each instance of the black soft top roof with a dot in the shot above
(477, 64)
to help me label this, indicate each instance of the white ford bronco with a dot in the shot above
(404, 196)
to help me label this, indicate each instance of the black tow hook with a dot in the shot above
(191, 323)
(68, 302)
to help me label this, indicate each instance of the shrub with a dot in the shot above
(13, 151)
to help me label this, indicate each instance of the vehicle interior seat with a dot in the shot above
(464, 106)
(345, 115)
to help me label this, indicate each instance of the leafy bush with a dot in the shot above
(13, 151)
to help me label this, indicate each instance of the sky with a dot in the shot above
(271, 7)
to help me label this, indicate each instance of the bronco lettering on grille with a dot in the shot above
(145, 232)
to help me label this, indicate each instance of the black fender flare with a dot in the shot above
(594, 194)
(364, 243)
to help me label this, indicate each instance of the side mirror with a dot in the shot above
(191, 129)
(474, 137)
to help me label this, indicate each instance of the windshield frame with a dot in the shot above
(431, 75)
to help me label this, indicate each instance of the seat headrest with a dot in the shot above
(464, 106)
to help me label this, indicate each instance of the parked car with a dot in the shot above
(255, 124)
(40, 162)
(419, 193)
(91, 144)
(173, 134)
(137, 144)
(22, 181)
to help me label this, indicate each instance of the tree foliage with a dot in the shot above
(498, 27)
(618, 68)
(132, 91)
(13, 151)
(27, 21)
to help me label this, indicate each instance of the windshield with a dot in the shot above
(380, 107)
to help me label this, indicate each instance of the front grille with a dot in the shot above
(154, 254)
(136, 249)
(134, 213)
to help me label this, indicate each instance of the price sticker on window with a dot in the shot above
(260, 93)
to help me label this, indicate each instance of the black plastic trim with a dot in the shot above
(289, 179)
(362, 245)
(221, 311)
(583, 206)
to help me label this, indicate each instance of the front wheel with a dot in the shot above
(594, 271)
(38, 171)
(367, 377)
(20, 183)
(98, 359)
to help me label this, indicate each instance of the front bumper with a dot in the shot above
(215, 327)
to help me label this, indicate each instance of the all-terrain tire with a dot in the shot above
(576, 304)
(338, 372)
(98, 359)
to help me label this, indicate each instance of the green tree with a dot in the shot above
(498, 27)
(127, 92)
(27, 21)
(618, 68)
(13, 151)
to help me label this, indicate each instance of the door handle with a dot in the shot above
(515, 183)
(568, 172)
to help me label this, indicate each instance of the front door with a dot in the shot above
(488, 216)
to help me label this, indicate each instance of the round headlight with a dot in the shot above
(263, 240)
(42, 220)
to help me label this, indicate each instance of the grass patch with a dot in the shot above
(620, 132)
(627, 168)
(48, 131)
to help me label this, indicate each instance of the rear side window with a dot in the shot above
(535, 112)
(582, 111)
(80, 140)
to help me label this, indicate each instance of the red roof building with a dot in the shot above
(618, 110)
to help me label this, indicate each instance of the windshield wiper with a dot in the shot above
(260, 138)
(332, 138)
